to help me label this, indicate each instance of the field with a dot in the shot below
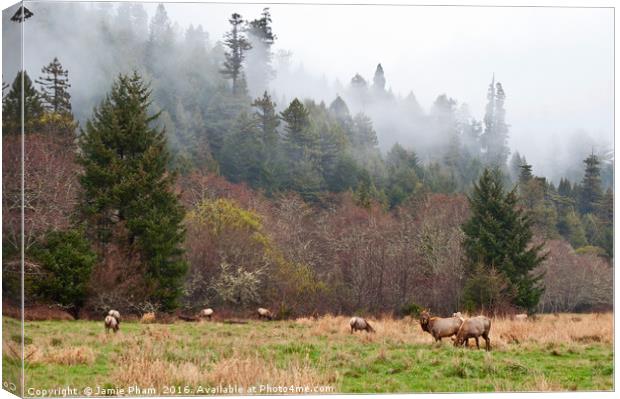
(554, 352)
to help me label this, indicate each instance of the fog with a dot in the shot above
(555, 64)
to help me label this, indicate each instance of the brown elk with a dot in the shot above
(264, 314)
(475, 327)
(360, 324)
(111, 323)
(439, 327)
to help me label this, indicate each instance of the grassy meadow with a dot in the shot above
(553, 352)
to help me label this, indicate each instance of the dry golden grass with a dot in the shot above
(543, 329)
(148, 318)
(60, 356)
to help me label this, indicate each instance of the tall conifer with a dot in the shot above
(125, 174)
(498, 235)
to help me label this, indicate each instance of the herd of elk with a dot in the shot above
(461, 329)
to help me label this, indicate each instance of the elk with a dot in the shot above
(206, 313)
(110, 323)
(360, 324)
(264, 314)
(439, 327)
(475, 327)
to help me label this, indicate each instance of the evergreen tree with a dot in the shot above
(403, 174)
(526, 172)
(243, 152)
(237, 46)
(358, 82)
(262, 38)
(125, 174)
(54, 88)
(302, 145)
(516, 161)
(565, 189)
(273, 167)
(363, 135)
(300, 138)
(605, 208)
(67, 262)
(605, 215)
(495, 135)
(160, 44)
(591, 192)
(12, 106)
(379, 80)
(498, 235)
(4, 87)
(269, 121)
(340, 111)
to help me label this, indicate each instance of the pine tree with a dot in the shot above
(12, 106)
(379, 80)
(237, 46)
(300, 138)
(159, 47)
(495, 136)
(515, 166)
(160, 29)
(591, 192)
(565, 189)
(302, 145)
(259, 59)
(498, 235)
(125, 174)
(605, 208)
(358, 82)
(526, 172)
(340, 111)
(243, 152)
(66, 260)
(363, 135)
(269, 121)
(54, 88)
(4, 87)
(273, 167)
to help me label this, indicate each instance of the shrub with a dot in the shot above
(66, 261)
(411, 309)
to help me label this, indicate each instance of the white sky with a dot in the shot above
(556, 64)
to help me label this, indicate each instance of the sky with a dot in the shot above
(556, 64)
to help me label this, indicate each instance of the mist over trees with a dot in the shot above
(198, 180)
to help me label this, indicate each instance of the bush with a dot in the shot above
(411, 309)
(488, 290)
(66, 261)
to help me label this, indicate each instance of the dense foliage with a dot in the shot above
(67, 261)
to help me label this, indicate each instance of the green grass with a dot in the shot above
(350, 363)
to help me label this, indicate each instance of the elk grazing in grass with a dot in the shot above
(111, 323)
(475, 327)
(206, 313)
(440, 327)
(264, 314)
(360, 324)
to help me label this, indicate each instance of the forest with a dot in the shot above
(182, 179)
